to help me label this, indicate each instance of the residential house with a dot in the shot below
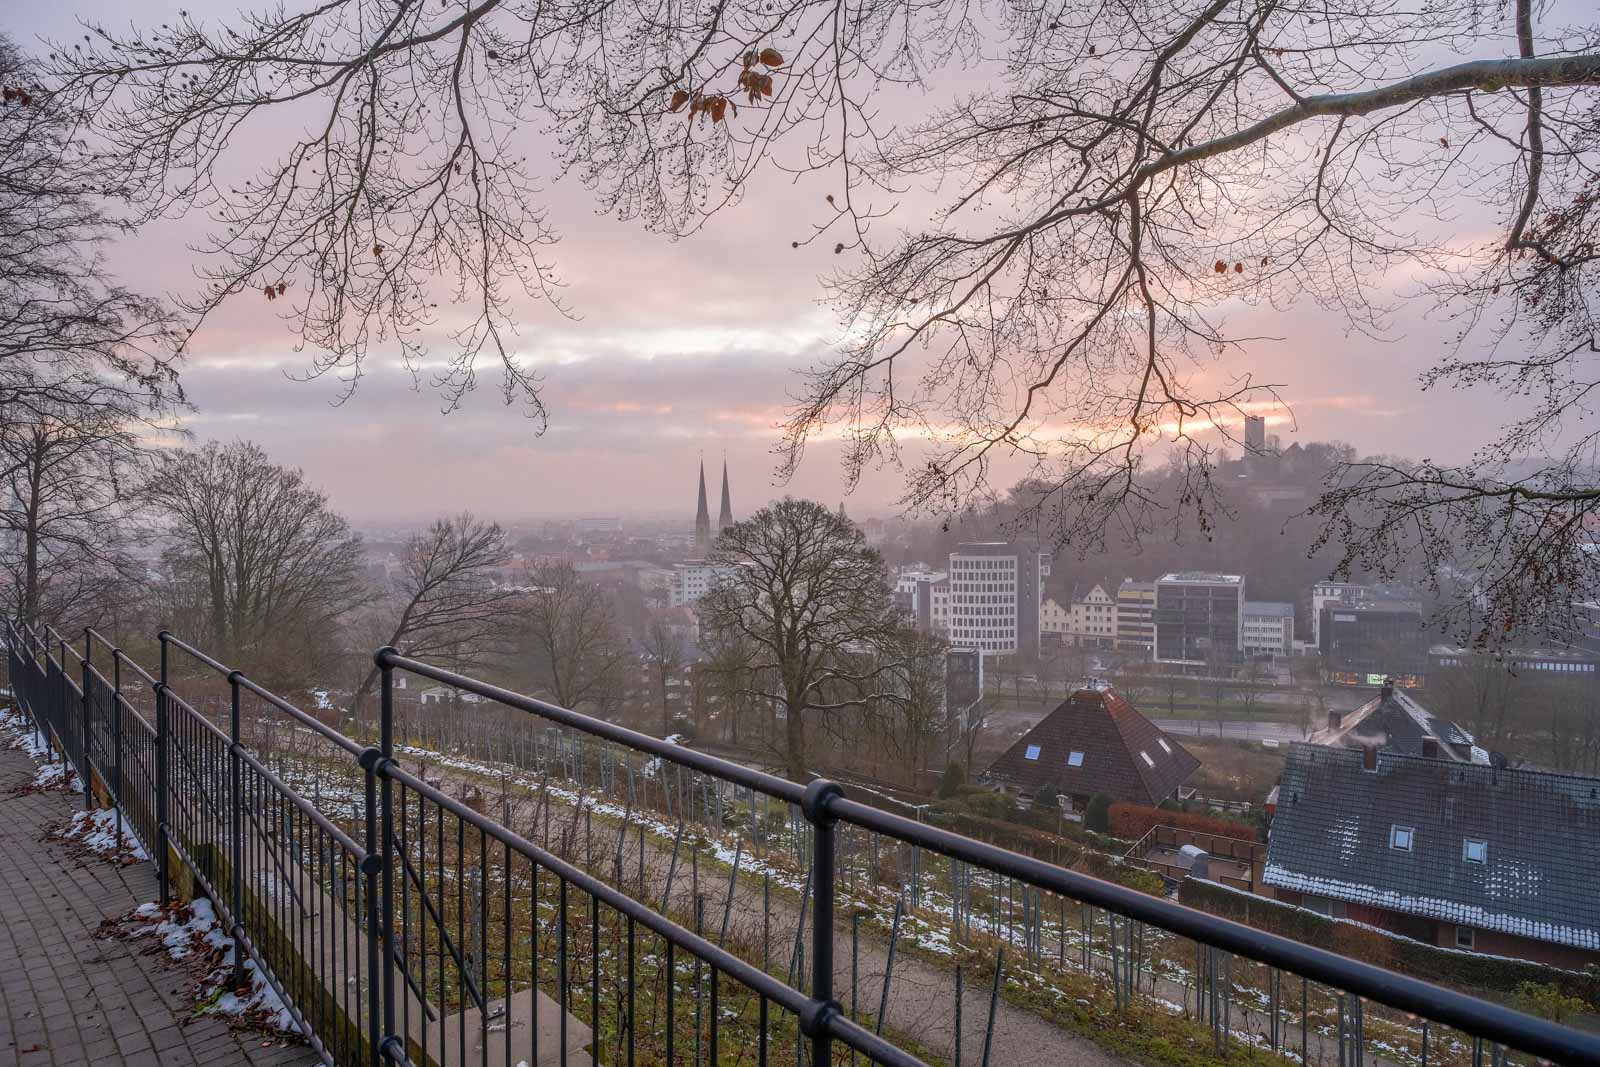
(1468, 856)
(1396, 722)
(1095, 742)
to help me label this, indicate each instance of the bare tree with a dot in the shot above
(276, 567)
(447, 609)
(572, 648)
(728, 672)
(809, 595)
(1477, 692)
(664, 648)
(1252, 677)
(69, 335)
(1122, 176)
(69, 514)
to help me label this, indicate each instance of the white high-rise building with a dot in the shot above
(996, 589)
(694, 578)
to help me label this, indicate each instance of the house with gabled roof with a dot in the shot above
(1095, 742)
(1460, 854)
(1397, 722)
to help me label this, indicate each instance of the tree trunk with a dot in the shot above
(794, 739)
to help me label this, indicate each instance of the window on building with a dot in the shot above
(1400, 837)
(1075, 759)
(1162, 741)
(1475, 851)
(1146, 757)
(1032, 753)
(1464, 937)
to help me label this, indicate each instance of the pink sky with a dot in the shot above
(681, 348)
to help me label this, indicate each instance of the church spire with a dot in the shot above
(725, 519)
(702, 517)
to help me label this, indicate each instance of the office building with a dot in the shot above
(1267, 628)
(1365, 641)
(996, 590)
(1197, 618)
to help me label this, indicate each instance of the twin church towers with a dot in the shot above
(702, 515)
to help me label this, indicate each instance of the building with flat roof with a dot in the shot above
(1136, 624)
(1198, 615)
(1267, 628)
(1367, 641)
(996, 589)
(694, 578)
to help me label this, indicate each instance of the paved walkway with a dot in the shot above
(68, 996)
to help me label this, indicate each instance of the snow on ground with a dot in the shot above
(19, 734)
(192, 932)
(97, 831)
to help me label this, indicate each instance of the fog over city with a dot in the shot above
(716, 533)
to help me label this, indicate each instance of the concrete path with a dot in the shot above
(68, 996)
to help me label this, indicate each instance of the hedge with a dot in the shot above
(1133, 821)
(1464, 970)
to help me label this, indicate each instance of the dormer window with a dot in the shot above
(1473, 851)
(1075, 759)
(1400, 837)
(1032, 753)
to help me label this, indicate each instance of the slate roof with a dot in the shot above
(1398, 723)
(1332, 830)
(1114, 739)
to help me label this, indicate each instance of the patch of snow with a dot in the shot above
(97, 831)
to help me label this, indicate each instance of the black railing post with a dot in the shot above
(162, 729)
(236, 828)
(116, 740)
(59, 719)
(369, 886)
(386, 820)
(88, 726)
(818, 795)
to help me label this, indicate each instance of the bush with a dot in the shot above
(1096, 816)
(951, 781)
(1099, 865)
(1546, 1000)
(1045, 800)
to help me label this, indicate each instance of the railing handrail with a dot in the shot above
(770, 784)
(824, 805)
(311, 722)
(1503, 1024)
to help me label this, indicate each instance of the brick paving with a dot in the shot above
(70, 997)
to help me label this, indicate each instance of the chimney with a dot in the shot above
(1387, 692)
(1430, 747)
(1369, 757)
(1335, 720)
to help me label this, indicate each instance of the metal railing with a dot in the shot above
(398, 921)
